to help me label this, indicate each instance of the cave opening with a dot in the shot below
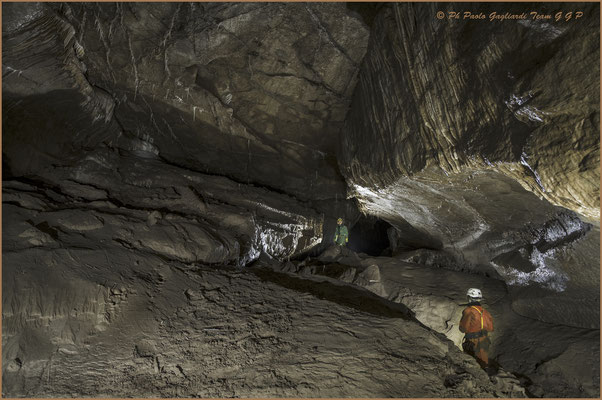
(173, 174)
(369, 235)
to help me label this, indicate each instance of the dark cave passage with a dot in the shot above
(369, 235)
(173, 174)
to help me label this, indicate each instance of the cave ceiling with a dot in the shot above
(152, 150)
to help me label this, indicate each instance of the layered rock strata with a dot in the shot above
(549, 359)
(151, 150)
(479, 140)
(516, 97)
(256, 92)
(95, 303)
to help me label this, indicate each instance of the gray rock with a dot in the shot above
(150, 151)
(146, 348)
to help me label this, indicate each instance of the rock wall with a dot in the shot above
(256, 92)
(518, 97)
(151, 149)
(475, 137)
(50, 111)
(146, 206)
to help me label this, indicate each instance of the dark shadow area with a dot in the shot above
(53, 128)
(6, 171)
(369, 235)
(404, 237)
(368, 11)
(348, 296)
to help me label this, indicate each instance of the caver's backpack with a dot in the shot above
(478, 324)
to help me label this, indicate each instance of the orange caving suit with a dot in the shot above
(476, 322)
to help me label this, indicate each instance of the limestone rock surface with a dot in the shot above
(257, 92)
(91, 311)
(518, 97)
(172, 175)
(478, 140)
(536, 356)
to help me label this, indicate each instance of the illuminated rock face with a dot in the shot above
(150, 151)
(467, 136)
(519, 98)
(164, 210)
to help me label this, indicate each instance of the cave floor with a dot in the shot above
(97, 304)
(551, 359)
(199, 331)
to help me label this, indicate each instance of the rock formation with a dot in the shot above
(263, 84)
(172, 174)
(433, 294)
(458, 96)
(474, 139)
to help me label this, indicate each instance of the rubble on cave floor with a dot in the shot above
(153, 327)
(108, 292)
(530, 348)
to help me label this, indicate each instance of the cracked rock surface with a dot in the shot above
(171, 77)
(129, 318)
(173, 173)
(537, 353)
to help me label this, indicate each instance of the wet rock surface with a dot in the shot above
(107, 320)
(527, 348)
(172, 176)
(458, 96)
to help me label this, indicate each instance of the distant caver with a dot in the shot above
(341, 234)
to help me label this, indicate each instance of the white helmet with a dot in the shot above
(474, 293)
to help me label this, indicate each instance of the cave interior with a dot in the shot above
(172, 176)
